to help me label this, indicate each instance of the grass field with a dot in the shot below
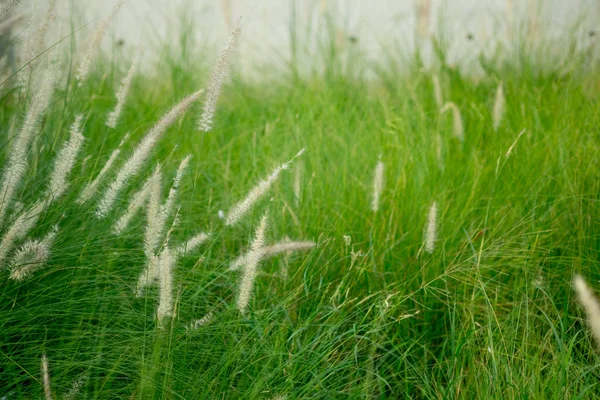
(489, 312)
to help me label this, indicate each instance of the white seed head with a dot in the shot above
(65, 161)
(141, 154)
(24, 223)
(192, 243)
(7, 8)
(39, 45)
(84, 67)
(166, 262)
(91, 188)
(250, 268)
(377, 185)
(498, 107)
(210, 104)
(153, 228)
(285, 246)
(32, 256)
(137, 202)
(46, 378)
(197, 323)
(240, 209)
(459, 130)
(431, 230)
(591, 305)
(113, 116)
(17, 163)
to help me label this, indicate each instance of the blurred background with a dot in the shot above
(279, 31)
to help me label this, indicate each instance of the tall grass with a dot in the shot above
(459, 286)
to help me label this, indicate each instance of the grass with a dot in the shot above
(489, 314)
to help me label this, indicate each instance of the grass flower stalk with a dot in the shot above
(285, 246)
(17, 162)
(251, 266)
(590, 304)
(65, 160)
(499, 103)
(91, 188)
(377, 185)
(141, 154)
(240, 209)
(113, 116)
(431, 229)
(46, 378)
(210, 104)
(84, 67)
(31, 256)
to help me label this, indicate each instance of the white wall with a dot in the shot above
(374, 24)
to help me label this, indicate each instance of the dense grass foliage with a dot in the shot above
(367, 313)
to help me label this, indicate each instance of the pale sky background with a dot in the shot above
(373, 25)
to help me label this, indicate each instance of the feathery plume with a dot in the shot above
(21, 227)
(17, 158)
(240, 209)
(437, 90)
(166, 262)
(7, 8)
(498, 107)
(272, 250)
(167, 208)
(148, 276)
(90, 189)
(459, 130)
(113, 116)
(46, 377)
(590, 304)
(84, 66)
(377, 185)
(39, 41)
(423, 15)
(192, 243)
(250, 268)
(137, 201)
(153, 228)
(31, 256)
(141, 153)
(431, 231)
(65, 160)
(197, 323)
(210, 104)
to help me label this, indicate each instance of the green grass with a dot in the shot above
(490, 314)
